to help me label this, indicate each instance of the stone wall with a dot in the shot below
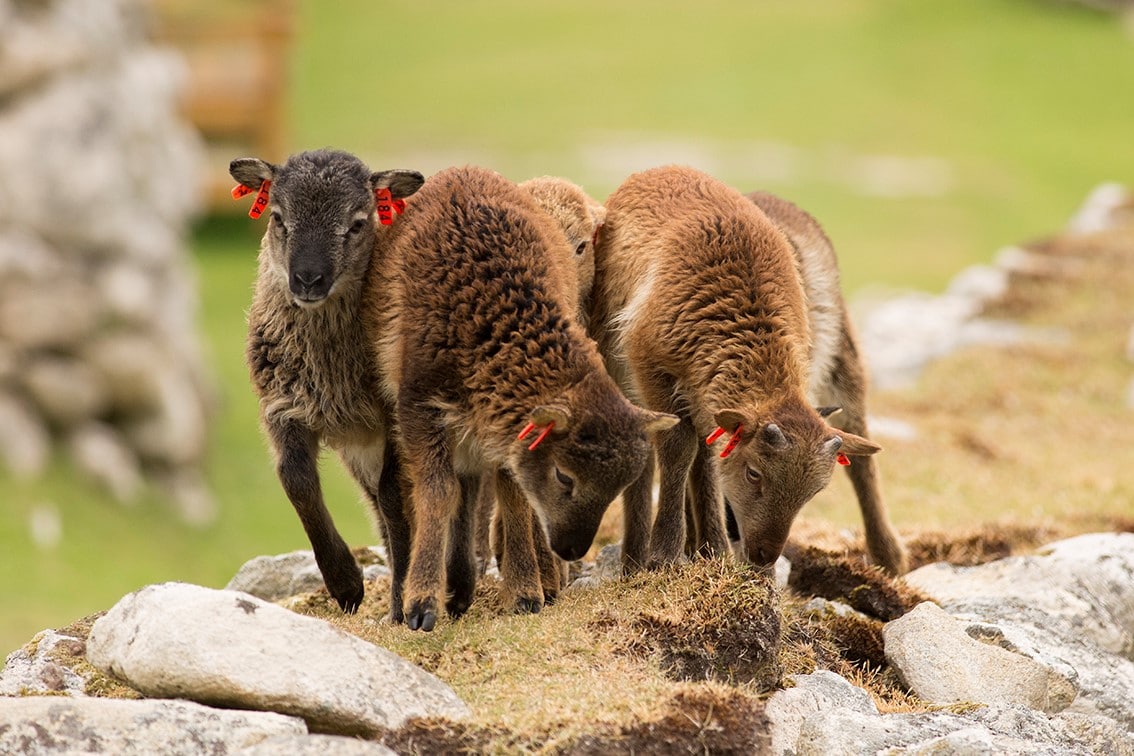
(99, 358)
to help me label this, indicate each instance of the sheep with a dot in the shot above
(836, 377)
(579, 217)
(308, 357)
(486, 369)
(699, 311)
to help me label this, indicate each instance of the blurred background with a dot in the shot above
(924, 136)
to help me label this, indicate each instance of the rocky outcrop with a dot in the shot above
(231, 649)
(98, 348)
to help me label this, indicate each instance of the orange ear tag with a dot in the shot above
(387, 206)
(539, 439)
(260, 202)
(842, 459)
(240, 190)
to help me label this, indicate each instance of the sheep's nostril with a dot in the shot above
(307, 280)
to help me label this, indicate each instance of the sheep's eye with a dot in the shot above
(357, 226)
(564, 479)
(752, 476)
(278, 220)
(581, 248)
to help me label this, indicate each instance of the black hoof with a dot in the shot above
(422, 616)
(349, 598)
(528, 605)
(457, 607)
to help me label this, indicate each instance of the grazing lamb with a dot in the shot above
(699, 311)
(836, 375)
(579, 217)
(309, 358)
(487, 369)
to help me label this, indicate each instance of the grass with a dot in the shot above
(773, 95)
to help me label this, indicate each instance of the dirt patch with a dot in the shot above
(844, 578)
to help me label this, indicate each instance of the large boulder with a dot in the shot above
(49, 724)
(1070, 603)
(231, 649)
(943, 664)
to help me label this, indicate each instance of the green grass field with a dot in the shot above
(924, 136)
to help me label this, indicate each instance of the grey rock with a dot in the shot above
(102, 455)
(1072, 602)
(284, 575)
(942, 664)
(232, 649)
(1082, 583)
(50, 724)
(67, 391)
(820, 691)
(992, 729)
(25, 444)
(35, 668)
(316, 745)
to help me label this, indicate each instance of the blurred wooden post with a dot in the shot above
(237, 55)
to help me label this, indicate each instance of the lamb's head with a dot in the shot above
(579, 216)
(578, 454)
(322, 213)
(773, 462)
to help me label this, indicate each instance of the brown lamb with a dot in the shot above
(476, 340)
(579, 217)
(700, 311)
(836, 376)
(307, 352)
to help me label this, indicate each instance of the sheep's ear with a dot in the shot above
(401, 183)
(856, 446)
(652, 422)
(598, 215)
(251, 172)
(729, 420)
(551, 413)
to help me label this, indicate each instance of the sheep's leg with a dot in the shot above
(377, 470)
(461, 572)
(637, 515)
(519, 565)
(552, 569)
(436, 502)
(485, 507)
(707, 505)
(393, 498)
(296, 449)
(846, 388)
(676, 449)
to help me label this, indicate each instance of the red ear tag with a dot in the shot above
(240, 190)
(714, 436)
(542, 435)
(842, 459)
(732, 442)
(387, 206)
(260, 202)
(524, 433)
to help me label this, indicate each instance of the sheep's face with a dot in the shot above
(594, 450)
(321, 219)
(580, 219)
(782, 460)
